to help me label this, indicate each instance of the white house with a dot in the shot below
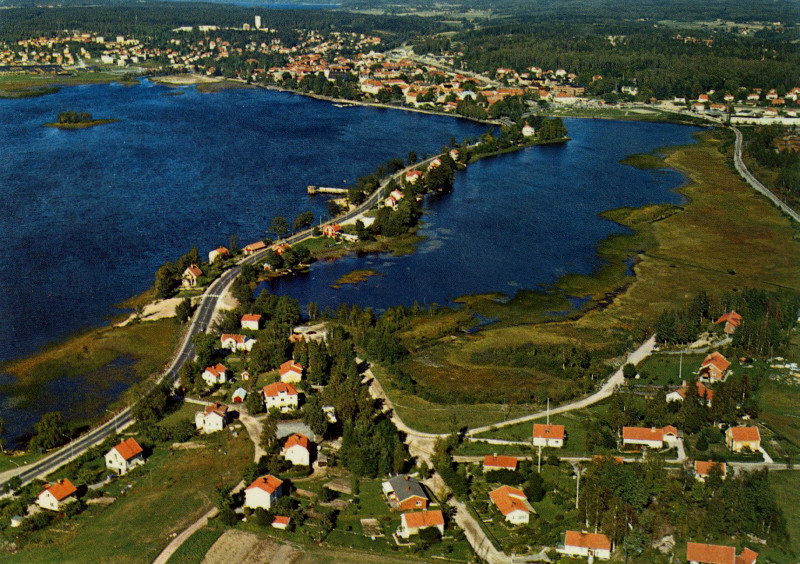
(54, 497)
(236, 342)
(651, 437)
(212, 419)
(251, 321)
(528, 131)
(125, 456)
(548, 435)
(413, 523)
(291, 372)
(220, 252)
(263, 492)
(586, 545)
(190, 276)
(215, 375)
(282, 396)
(513, 504)
(281, 522)
(297, 450)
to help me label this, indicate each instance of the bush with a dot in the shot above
(228, 517)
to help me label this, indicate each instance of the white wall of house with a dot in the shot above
(209, 422)
(518, 517)
(114, 461)
(298, 456)
(256, 497)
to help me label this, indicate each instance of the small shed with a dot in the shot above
(239, 395)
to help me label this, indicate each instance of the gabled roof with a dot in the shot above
(405, 487)
(743, 433)
(61, 489)
(291, 366)
(594, 541)
(216, 370)
(731, 317)
(194, 270)
(494, 461)
(128, 448)
(710, 553)
(747, 557)
(235, 336)
(642, 434)
(251, 317)
(277, 388)
(703, 467)
(542, 431)
(296, 440)
(257, 246)
(281, 520)
(221, 250)
(268, 483)
(508, 499)
(219, 408)
(720, 362)
(420, 519)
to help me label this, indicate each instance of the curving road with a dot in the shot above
(753, 181)
(201, 320)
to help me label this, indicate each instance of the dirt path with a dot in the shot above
(247, 548)
(181, 538)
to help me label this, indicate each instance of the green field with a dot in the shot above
(194, 549)
(660, 369)
(163, 497)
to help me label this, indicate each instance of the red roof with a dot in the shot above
(281, 520)
(128, 448)
(194, 270)
(594, 541)
(541, 431)
(421, 519)
(731, 317)
(742, 433)
(296, 439)
(61, 489)
(236, 337)
(221, 250)
(703, 467)
(501, 461)
(747, 557)
(251, 317)
(719, 361)
(268, 483)
(642, 434)
(216, 370)
(257, 246)
(710, 553)
(291, 366)
(277, 388)
(508, 499)
(219, 408)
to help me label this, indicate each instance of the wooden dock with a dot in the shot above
(325, 190)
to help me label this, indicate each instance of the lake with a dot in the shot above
(89, 215)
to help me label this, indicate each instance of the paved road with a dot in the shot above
(753, 181)
(200, 322)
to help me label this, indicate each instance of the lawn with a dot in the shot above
(9, 461)
(661, 369)
(194, 549)
(786, 486)
(166, 495)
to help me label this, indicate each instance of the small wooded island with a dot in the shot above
(77, 120)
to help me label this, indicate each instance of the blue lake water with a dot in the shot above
(89, 215)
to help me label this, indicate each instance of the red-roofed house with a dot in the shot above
(548, 435)
(586, 544)
(513, 504)
(190, 276)
(704, 393)
(413, 175)
(213, 418)
(254, 247)
(738, 438)
(702, 468)
(698, 553)
(281, 522)
(282, 248)
(263, 492)
(731, 321)
(648, 436)
(55, 497)
(219, 252)
(280, 395)
(714, 368)
(413, 523)
(332, 230)
(494, 462)
(747, 556)
(237, 342)
(215, 374)
(125, 456)
(297, 450)
(291, 372)
(251, 321)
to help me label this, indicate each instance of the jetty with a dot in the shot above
(325, 190)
